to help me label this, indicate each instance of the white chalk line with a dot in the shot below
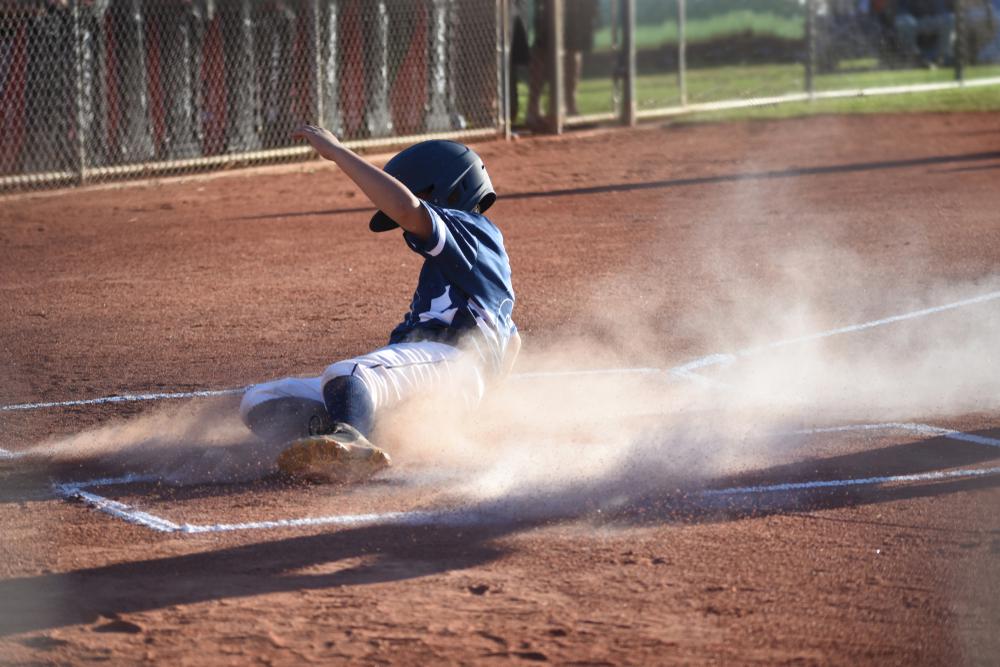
(124, 398)
(126, 512)
(589, 371)
(921, 429)
(459, 517)
(992, 296)
(840, 483)
(413, 518)
(724, 358)
(698, 378)
(129, 514)
(207, 393)
(683, 370)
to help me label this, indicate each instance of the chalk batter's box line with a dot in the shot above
(464, 518)
(683, 371)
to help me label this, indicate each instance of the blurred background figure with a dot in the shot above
(982, 30)
(49, 127)
(904, 33)
(242, 70)
(520, 54)
(926, 31)
(13, 74)
(579, 24)
(175, 40)
(276, 30)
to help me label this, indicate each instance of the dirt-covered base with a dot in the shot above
(582, 534)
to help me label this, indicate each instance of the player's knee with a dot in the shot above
(252, 397)
(348, 400)
(344, 367)
(286, 418)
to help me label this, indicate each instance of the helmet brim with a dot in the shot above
(380, 222)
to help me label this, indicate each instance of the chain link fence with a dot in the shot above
(655, 58)
(97, 89)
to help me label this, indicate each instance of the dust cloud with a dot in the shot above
(551, 442)
(560, 443)
(187, 442)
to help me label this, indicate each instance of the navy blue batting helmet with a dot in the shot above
(445, 173)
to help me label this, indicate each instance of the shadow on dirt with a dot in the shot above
(915, 458)
(652, 510)
(903, 459)
(856, 167)
(27, 479)
(387, 553)
(960, 170)
(20, 483)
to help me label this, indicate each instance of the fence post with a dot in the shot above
(503, 69)
(317, 28)
(378, 119)
(555, 65)
(628, 44)
(437, 109)
(240, 56)
(810, 46)
(329, 72)
(959, 54)
(682, 50)
(81, 140)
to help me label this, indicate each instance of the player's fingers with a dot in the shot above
(302, 131)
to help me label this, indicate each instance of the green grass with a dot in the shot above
(970, 99)
(747, 81)
(704, 29)
(721, 83)
(861, 74)
(750, 81)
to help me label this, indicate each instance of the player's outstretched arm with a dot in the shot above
(388, 194)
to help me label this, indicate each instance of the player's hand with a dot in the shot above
(325, 143)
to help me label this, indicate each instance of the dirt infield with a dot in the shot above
(820, 500)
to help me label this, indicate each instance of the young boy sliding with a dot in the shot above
(457, 337)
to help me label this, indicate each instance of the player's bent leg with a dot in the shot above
(348, 401)
(354, 391)
(292, 411)
(285, 409)
(397, 372)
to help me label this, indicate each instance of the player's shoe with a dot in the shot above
(338, 457)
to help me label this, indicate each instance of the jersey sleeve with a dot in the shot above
(453, 245)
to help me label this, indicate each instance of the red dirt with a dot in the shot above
(218, 282)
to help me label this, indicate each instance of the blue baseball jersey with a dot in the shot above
(464, 290)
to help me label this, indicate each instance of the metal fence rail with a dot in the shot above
(98, 89)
